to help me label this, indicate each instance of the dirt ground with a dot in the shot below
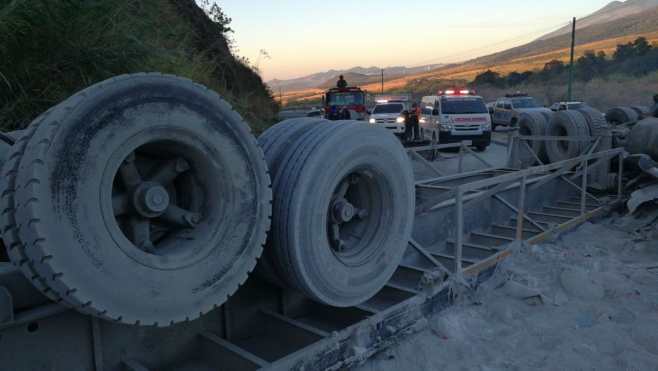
(586, 301)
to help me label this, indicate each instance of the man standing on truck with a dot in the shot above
(341, 84)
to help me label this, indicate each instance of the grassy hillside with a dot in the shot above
(643, 23)
(51, 49)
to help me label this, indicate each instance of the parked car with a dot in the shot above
(564, 106)
(507, 111)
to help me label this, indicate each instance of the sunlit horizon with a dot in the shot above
(310, 37)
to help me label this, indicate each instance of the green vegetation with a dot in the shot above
(638, 58)
(51, 49)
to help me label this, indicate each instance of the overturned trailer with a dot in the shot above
(134, 211)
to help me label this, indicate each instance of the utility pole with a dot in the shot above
(281, 96)
(382, 81)
(573, 47)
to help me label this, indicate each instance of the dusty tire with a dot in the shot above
(533, 124)
(642, 111)
(643, 138)
(327, 165)
(103, 182)
(274, 142)
(571, 124)
(621, 115)
(596, 122)
(13, 246)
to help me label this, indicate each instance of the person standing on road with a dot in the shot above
(414, 117)
(408, 128)
(342, 83)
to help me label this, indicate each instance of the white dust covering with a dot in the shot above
(588, 301)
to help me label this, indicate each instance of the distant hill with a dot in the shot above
(611, 12)
(357, 75)
(597, 36)
(645, 22)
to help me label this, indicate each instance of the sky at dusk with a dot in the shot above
(304, 37)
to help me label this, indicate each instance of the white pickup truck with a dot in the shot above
(389, 115)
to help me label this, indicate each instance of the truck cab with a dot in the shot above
(389, 114)
(345, 104)
(456, 115)
(507, 111)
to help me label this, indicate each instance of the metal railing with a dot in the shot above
(535, 177)
(480, 189)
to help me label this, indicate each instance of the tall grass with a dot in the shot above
(51, 49)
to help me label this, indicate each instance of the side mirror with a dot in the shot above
(435, 112)
(369, 112)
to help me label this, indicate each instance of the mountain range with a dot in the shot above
(611, 23)
(355, 75)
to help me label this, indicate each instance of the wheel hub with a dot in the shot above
(343, 211)
(151, 199)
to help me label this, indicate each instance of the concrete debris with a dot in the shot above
(600, 313)
(519, 291)
(642, 196)
(578, 283)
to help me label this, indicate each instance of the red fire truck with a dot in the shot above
(345, 104)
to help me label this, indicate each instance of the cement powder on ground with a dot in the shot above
(588, 301)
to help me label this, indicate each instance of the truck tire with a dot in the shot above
(533, 124)
(274, 142)
(13, 245)
(642, 111)
(571, 124)
(598, 126)
(343, 211)
(643, 138)
(143, 199)
(621, 115)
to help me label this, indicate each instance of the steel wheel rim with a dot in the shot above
(195, 190)
(355, 214)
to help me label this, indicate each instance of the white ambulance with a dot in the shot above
(456, 115)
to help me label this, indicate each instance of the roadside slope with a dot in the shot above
(49, 50)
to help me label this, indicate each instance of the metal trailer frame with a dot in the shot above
(263, 327)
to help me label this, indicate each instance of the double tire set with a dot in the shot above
(145, 200)
(579, 123)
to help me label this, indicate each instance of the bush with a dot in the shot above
(51, 49)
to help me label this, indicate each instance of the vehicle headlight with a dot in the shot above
(486, 126)
(400, 120)
(372, 121)
(446, 127)
(423, 121)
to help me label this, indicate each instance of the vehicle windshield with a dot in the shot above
(388, 108)
(460, 106)
(345, 99)
(524, 103)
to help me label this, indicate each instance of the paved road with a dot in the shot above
(448, 162)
